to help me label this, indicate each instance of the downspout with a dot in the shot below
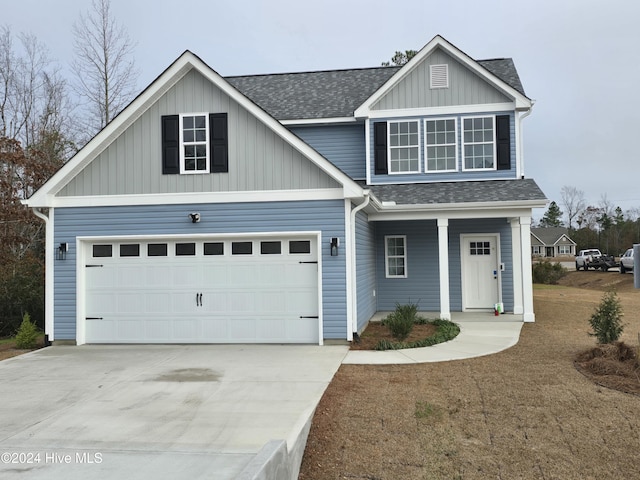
(48, 277)
(520, 137)
(353, 328)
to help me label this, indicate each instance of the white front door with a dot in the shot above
(480, 271)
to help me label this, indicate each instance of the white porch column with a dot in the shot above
(443, 254)
(518, 308)
(527, 277)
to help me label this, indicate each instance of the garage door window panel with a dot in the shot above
(157, 250)
(270, 248)
(130, 250)
(185, 249)
(214, 248)
(242, 248)
(299, 247)
(102, 251)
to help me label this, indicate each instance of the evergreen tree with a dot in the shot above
(552, 217)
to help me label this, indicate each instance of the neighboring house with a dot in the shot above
(289, 208)
(552, 242)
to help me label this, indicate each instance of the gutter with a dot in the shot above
(521, 139)
(353, 327)
(48, 277)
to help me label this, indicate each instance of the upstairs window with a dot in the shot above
(404, 147)
(441, 145)
(194, 143)
(478, 143)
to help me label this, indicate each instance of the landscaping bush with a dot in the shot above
(401, 321)
(27, 335)
(548, 273)
(606, 321)
(446, 331)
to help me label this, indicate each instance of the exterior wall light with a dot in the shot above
(195, 217)
(335, 243)
(62, 251)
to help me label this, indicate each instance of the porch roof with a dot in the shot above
(488, 191)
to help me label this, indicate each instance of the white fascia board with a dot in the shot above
(448, 110)
(454, 211)
(186, 62)
(521, 101)
(318, 121)
(200, 197)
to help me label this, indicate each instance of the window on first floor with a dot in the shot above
(478, 143)
(564, 250)
(395, 256)
(537, 250)
(404, 147)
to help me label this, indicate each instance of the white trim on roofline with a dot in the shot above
(453, 211)
(521, 101)
(448, 110)
(185, 63)
(198, 197)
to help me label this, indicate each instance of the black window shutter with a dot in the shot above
(218, 139)
(170, 144)
(380, 147)
(503, 142)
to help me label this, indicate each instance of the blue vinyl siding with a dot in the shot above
(422, 284)
(326, 216)
(446, 176)
(343, 145)
(365, 269)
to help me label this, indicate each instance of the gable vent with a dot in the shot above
(439, 76)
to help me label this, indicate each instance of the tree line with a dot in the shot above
(45, 118)
(603, 226)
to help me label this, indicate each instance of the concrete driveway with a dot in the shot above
(160, 412)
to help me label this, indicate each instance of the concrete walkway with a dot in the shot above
(480, 334)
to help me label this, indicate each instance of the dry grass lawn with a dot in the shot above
(525, 413)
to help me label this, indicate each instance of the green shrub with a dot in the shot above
(606, 321)
(446, 331)
(547, 273)
(401, 321)
(27, 335)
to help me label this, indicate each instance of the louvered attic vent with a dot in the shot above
(439, 76)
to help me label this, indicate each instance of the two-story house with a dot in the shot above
(290, 208)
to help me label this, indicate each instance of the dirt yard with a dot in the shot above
(525, 413)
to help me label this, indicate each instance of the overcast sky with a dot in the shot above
(579, 60)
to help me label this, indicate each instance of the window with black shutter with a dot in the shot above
(380, 148)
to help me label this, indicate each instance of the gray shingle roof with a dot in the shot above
(549, 235)
(458, 192)
(334, 93)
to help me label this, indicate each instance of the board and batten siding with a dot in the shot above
(465, 87)
(259, 159)
(342, 145)
(459, 175)
(422, 285)
(326, 216)
(365, 269)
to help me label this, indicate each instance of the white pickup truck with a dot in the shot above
(593, 258)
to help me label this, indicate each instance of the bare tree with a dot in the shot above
(104, 67)
(573, 201)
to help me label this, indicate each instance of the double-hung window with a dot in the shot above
(395, 256)
(478, 143)
(194, 143)
(441, 145)
(404, 147)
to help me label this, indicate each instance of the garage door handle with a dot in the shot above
(93, 318)
(200, 299)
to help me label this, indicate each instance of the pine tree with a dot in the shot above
(552, 217)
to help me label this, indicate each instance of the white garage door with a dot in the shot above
(241, 290)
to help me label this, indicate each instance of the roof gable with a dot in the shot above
(187, 62)
(439, 43)
(552, 235)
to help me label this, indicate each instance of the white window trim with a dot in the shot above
(462, 157)
(444, 71)
(207, 169)
(455, 144)
(386, 256)
(389, 122)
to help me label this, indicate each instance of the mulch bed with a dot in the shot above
(614, 366)
(375, 332)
